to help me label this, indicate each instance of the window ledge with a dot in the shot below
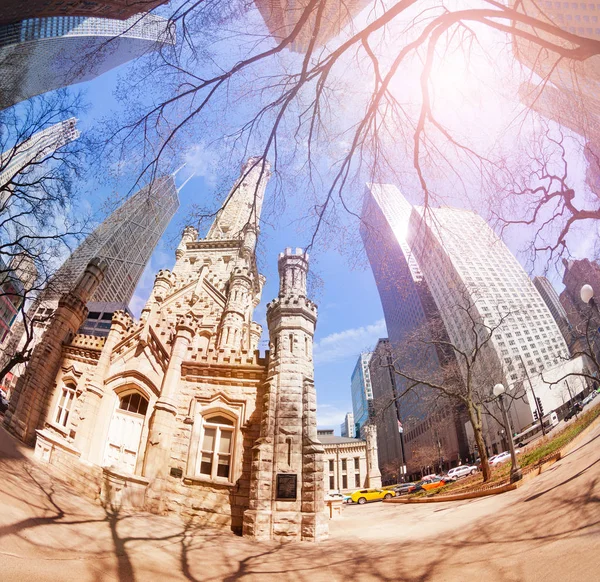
(63, 430)
(206, 480)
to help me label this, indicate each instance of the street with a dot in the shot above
(547, 530)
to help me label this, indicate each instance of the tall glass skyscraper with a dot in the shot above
(362, 392)
(42, 54)
(125, 240)
(16, 10)
(407, 306)
(34, 149)
(462, 260)
(281, 16)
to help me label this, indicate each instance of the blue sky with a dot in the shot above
(350, 314)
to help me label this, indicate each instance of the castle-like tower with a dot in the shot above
(179, 412)
(287, 497)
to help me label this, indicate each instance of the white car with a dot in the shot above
(461, 471)
(505, 456)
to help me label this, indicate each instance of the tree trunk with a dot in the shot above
(475, 418)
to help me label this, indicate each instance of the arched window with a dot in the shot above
(216, 447)
(65, 402)
(134, 402)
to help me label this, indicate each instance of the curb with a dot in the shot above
(509, 486)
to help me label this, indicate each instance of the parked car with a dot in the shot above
(576, 409)
(429, 484)
(461, 471)
(3, 404)
(500, 458)
(404, 488)
(363, 495)
(588, 399)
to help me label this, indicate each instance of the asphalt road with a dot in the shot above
(548, 530)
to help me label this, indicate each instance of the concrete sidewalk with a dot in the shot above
(547, 530)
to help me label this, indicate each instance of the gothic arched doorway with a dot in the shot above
(125, 431)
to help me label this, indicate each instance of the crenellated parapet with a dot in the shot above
(294, 303)
(255, 333)
(293, 270)
(164, 283)
(186, 324)
(190, 234)
(123, 320)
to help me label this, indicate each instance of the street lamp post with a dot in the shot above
(587, 296)
(515, 471)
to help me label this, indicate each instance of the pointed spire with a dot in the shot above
(244, 202)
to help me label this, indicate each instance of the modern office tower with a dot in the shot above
(407, 306)
(34, 149)
(584, 319)
(347, 427)
(552, 301)
(569, 93)
(281, 16)
(41, 54)
(578, 18)
(362, 393)
(16, 10)
(16, 280)
(126, 240)
(386, 407)
(466, 264)
(100, 314)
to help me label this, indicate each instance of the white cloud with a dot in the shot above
(348, 343)
(201, 162)
(330, 416)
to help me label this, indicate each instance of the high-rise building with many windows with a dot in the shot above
(347, 427)
(32, 150)
(125, 240)
(281, 17)
(552, 301)
(362, 392)
(467, 265)
(41, 54)
(16, 10)
(407, 307)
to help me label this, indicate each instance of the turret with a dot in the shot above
(190, 234)
(292, 317)
(293, 268)
(288, 449)
(238, 308)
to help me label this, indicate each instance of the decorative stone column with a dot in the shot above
(30, 400)
(237, 309)
(373, 472)
(94, 391)
(287, 488)
(162, 423)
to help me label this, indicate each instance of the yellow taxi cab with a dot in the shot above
(363, 495)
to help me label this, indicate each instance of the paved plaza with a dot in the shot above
(547, 530)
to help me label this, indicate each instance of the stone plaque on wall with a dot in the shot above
(287, 486)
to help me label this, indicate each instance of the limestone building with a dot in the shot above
(178, 412)
(350, 463)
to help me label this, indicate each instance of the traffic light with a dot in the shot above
(539, 405)
(535, 415)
